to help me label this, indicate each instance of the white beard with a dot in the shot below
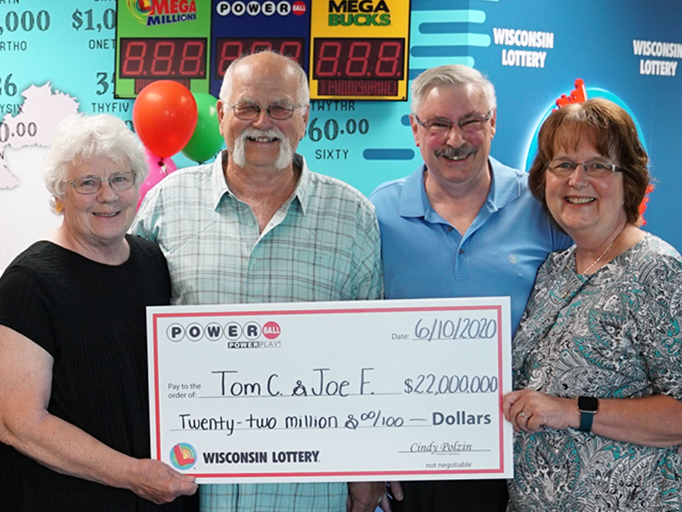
(286, 152)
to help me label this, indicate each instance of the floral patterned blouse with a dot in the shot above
(612, 334)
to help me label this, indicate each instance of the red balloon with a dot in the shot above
(165, 115)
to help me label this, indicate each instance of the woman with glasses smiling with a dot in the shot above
(597, 358)
(74, 420)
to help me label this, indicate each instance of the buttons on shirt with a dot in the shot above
(461, 251)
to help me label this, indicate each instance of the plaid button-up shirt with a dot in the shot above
(321, 245)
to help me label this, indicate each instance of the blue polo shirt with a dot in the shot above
(499, 255)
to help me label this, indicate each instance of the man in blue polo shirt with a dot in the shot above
(462, 225)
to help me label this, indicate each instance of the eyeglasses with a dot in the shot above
(564, 168)
(249, 111)
(90, 184)
(442, 126)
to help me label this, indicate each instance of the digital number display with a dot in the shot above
(167, 58)
(229, 50)
(358, 67)
(379, 59)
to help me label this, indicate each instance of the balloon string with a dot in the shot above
(162, 166)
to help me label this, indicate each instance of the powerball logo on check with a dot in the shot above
(238, 335)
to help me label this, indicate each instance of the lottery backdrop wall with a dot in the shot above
(59, 58)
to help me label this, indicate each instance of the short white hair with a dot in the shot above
(80, 137)
(451, 75)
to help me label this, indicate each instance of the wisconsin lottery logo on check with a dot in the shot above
(183, 456)
(237, 334)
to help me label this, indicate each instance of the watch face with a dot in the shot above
(588, 404)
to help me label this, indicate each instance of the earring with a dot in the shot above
(58, 207)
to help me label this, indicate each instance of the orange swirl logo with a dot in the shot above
(140, 9)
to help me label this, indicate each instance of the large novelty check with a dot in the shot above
(333, 391)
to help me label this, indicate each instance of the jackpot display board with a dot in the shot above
(359, 49)
(168, 43)
(239, 27)
(57, 59)
(351, 49)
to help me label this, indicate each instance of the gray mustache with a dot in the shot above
(460, 152)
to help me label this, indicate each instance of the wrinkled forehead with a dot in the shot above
(453, 101)
(263, 82)
(97, 165)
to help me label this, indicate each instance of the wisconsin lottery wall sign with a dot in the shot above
(351, 49)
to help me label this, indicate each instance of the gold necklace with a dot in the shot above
(599, 258)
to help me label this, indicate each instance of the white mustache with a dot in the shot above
(286, 152)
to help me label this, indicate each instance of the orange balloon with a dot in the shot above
(165, 115)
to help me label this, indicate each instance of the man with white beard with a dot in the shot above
(258, 226)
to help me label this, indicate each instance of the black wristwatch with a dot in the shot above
(588, 407)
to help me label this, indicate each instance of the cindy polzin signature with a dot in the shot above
(434, 447)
